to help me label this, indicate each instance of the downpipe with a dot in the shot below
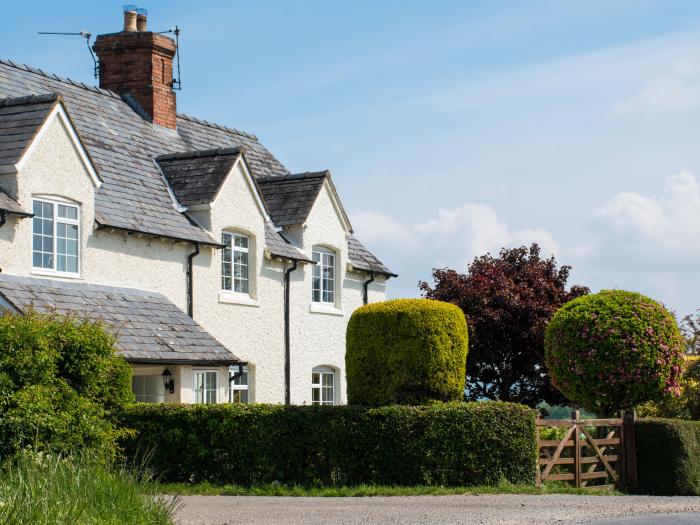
(287, 359)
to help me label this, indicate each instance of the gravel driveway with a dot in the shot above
(487, 509)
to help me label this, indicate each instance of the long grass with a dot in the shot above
(42, 489)
(277, 489)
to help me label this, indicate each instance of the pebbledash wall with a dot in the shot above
(251, 327)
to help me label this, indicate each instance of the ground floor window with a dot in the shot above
(238, 393)
(205, 386)
(323, 386)
(148, 389)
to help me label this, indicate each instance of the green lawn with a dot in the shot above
(274, 489)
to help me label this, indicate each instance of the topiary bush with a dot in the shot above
(406, 351)
(439, 444)
(60, 382)
(614, 350)
(668, 457)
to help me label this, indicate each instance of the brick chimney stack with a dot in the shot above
(140, 63)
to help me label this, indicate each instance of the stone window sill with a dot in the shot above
(327, 309)
(227, 297)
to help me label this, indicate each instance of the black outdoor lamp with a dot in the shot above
(168, 381)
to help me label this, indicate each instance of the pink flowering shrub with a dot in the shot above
(614, 350)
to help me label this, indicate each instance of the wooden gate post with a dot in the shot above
(630, 451)
(575, 416)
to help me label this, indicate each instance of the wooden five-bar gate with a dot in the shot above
(594, 453)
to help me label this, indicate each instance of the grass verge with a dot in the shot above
(274, 489)
(42, 489)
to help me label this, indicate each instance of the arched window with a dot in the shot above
(323, 285)
(323, 386)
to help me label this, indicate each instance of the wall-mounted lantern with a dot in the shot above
(168, 381)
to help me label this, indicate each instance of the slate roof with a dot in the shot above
(290, 198)
(20, 119)
(123, 147)
(197, 176)
(279, 246)
(362, 259)
(150, 329)
(9, 205)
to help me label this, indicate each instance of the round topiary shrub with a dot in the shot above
(614, 350)
(406, 351)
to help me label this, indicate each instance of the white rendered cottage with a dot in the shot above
(216, 265)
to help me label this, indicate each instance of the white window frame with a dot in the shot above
(323, 371)
(233, 387)
(160, 396)
(56, 220)
(205, 387)
(228, 240)
(318, 254)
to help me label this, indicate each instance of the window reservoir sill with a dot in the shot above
(49, 273)
(328, 309)
(228, 297)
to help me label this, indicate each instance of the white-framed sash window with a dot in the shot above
(323, 283)
(323, 386)
(235, 270)
(205, 385)
(55, 237)
(239, 389)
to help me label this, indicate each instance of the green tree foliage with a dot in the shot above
(614, 350)
(685, 406)
(452, 444)
(690, 327)
(406, 351)
(60, 381)
(508, 301)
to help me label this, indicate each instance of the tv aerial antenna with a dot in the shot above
(177, 84)
(87, 36)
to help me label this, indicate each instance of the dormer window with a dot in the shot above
(55, 237)
(235, 263)
(323, 286)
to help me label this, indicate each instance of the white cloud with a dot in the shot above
(661, 230)
(674, 91)
(454, 236)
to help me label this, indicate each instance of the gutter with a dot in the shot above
(365, 285)
(190, 279)
(287, 381)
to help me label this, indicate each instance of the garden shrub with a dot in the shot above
(668, 456)
(614, 350)
(406, 351)
(60, 381)
(685, 406)
(437, 444)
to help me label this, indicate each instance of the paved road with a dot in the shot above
(690, 518)
(473, 509)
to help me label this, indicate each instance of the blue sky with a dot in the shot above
(454, 128)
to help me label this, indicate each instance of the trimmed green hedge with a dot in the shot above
(668, 456)
(446, 444)
(406, 351)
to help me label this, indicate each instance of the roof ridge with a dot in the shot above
(29, 99)
(190, 154)
(64, 80)
(293, 176)
(217, 126)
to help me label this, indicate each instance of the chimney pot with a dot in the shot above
(141, 19)
(130, 18)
